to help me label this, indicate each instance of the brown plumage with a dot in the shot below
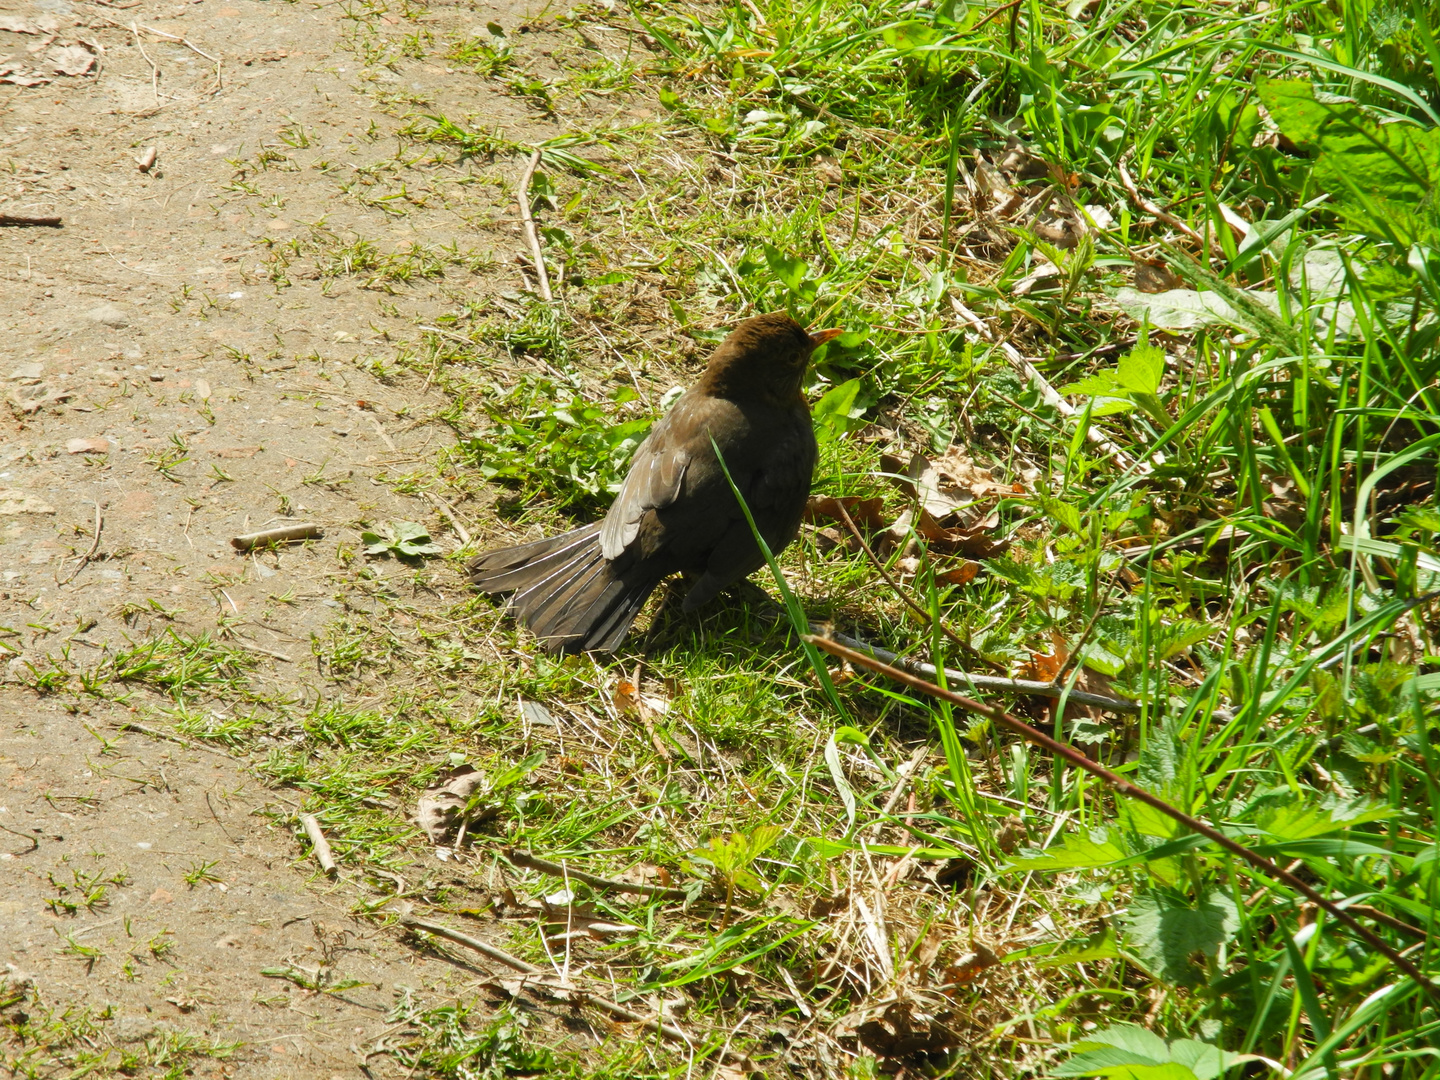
(675, 512)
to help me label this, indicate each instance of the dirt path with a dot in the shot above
(202, 350)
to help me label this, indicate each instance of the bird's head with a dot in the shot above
(764, 358)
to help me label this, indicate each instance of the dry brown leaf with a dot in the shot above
(1044, 668)
(18, 76)
(974, 541)
(905, 1028)
(71, 60)
(967, 967)
(1022, 163)
(822, 907)
(866, 513)
(33, 397)
(962, 574)
(626, 698)
(947, 485)
(438, 810)
(95, 445)
(1154, 277)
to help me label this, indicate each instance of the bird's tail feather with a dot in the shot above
(565, 590)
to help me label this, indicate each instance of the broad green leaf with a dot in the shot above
(1131, 1052)
(908, 36)
(1101, 945)
(1099, 384)
(791, 271)
(1302, 821)
(1141, 369)
(1165, 929)
(1080, 850)
(1381, 174)
(834, 413)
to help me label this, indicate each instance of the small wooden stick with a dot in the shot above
(530, 862)
(531, 233)
(454, 518)
(385, 435)
(157, 733)
(494, 953)
(1050, 395)
(22, 221)
(253, 647)
(1174, 222)
(670, 1031)
(94, 547)
(154, 71)
(284, 534)
(321, 845)
(980, 682)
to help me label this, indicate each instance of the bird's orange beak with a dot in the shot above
(822, 336)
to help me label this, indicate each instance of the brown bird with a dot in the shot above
(676, 512)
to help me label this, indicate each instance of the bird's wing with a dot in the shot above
(654, 480)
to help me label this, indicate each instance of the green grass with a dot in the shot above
(1233, 523)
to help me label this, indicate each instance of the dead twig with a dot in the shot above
(994, 683)
(1150, 207)
(219, 74)
(94, 547)
(531, 233)
(320, 844)
(1050, 395)
(454, 518)
(169, 736)
(283, 535)
(495, 953)
(1124, 787)
(905, 772)
(539, 978)
(527, 861)
(154, 70)
(895, 585)
(22, 221)
(253, 647)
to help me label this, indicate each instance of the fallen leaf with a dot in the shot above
(904, 1028)
(96, 445)
(1044, 667)
(974, 541)
(626, 698)
(238, 451)
(29, 398)
(537, 715)
(1154, 277)
(964, 970)
(71, 60)
(438, 810)
(1023, 163)
(866, 513)
(15, 501)
(948, 485)
(961, 575)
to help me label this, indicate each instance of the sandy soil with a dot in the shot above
(157, 380)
